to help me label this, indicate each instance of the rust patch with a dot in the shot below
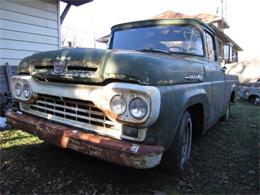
(116, 151)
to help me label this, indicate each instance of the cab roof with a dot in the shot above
(159, 22)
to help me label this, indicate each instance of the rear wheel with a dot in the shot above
(254, 99)
(176, 157)
(257, 101)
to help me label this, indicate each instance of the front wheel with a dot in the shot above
(176, 157)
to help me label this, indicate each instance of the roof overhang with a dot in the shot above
(225, 38)
(69, 4)
(76, 2)
(104, 39)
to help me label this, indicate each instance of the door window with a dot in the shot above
(211, 52)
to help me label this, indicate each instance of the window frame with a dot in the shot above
(200, 30)
(214, 46)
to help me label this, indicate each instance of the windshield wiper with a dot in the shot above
(154, 50)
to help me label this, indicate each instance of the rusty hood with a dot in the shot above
(88, 65)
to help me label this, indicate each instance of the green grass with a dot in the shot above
(12, 138)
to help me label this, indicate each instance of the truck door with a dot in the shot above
(217, 87)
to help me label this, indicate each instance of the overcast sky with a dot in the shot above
(95, 19)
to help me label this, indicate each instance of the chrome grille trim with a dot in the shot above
(77, 113)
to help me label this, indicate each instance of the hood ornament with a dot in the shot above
(59, 65)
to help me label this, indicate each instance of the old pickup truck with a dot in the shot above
(250, 92)
(138, 103)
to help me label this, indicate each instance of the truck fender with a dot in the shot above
(190, 97)
(233, 88)
(185, 98)
(197, 96)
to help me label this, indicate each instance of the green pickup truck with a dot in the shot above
(138, 103)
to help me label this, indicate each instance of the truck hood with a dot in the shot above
(98, 66)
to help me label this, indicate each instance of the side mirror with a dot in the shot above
(224, 68)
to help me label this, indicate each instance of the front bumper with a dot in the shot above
(108, 149)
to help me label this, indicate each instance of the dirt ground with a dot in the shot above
(224, 161)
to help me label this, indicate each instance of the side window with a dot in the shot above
(211, 52)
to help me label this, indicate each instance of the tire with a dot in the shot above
(226, 116)
(177, 155)
(254, 100)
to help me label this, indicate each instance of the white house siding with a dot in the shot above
(26, 27)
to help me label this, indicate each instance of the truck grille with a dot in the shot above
(78, 113)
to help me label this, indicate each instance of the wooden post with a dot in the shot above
(9, 74)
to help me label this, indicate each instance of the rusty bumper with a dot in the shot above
(115, 151)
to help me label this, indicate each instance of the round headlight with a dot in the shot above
(246, 93)
(18, 89)
(138, 108)
(118, 104)
(27, 91)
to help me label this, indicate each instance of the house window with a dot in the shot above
(227, 53)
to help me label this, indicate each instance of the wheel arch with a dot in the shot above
(253, 95)
(196, 102)
(198, 106)
(251, 98)
(197, 116)
(233, 97)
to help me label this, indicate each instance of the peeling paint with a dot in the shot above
(98, 66)
(166, 82)
(134, 148)
(116, 151)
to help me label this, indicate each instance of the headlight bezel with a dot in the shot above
(150, 94)
(25, 85)
(127, 116)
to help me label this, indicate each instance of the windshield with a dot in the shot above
(176, 39)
